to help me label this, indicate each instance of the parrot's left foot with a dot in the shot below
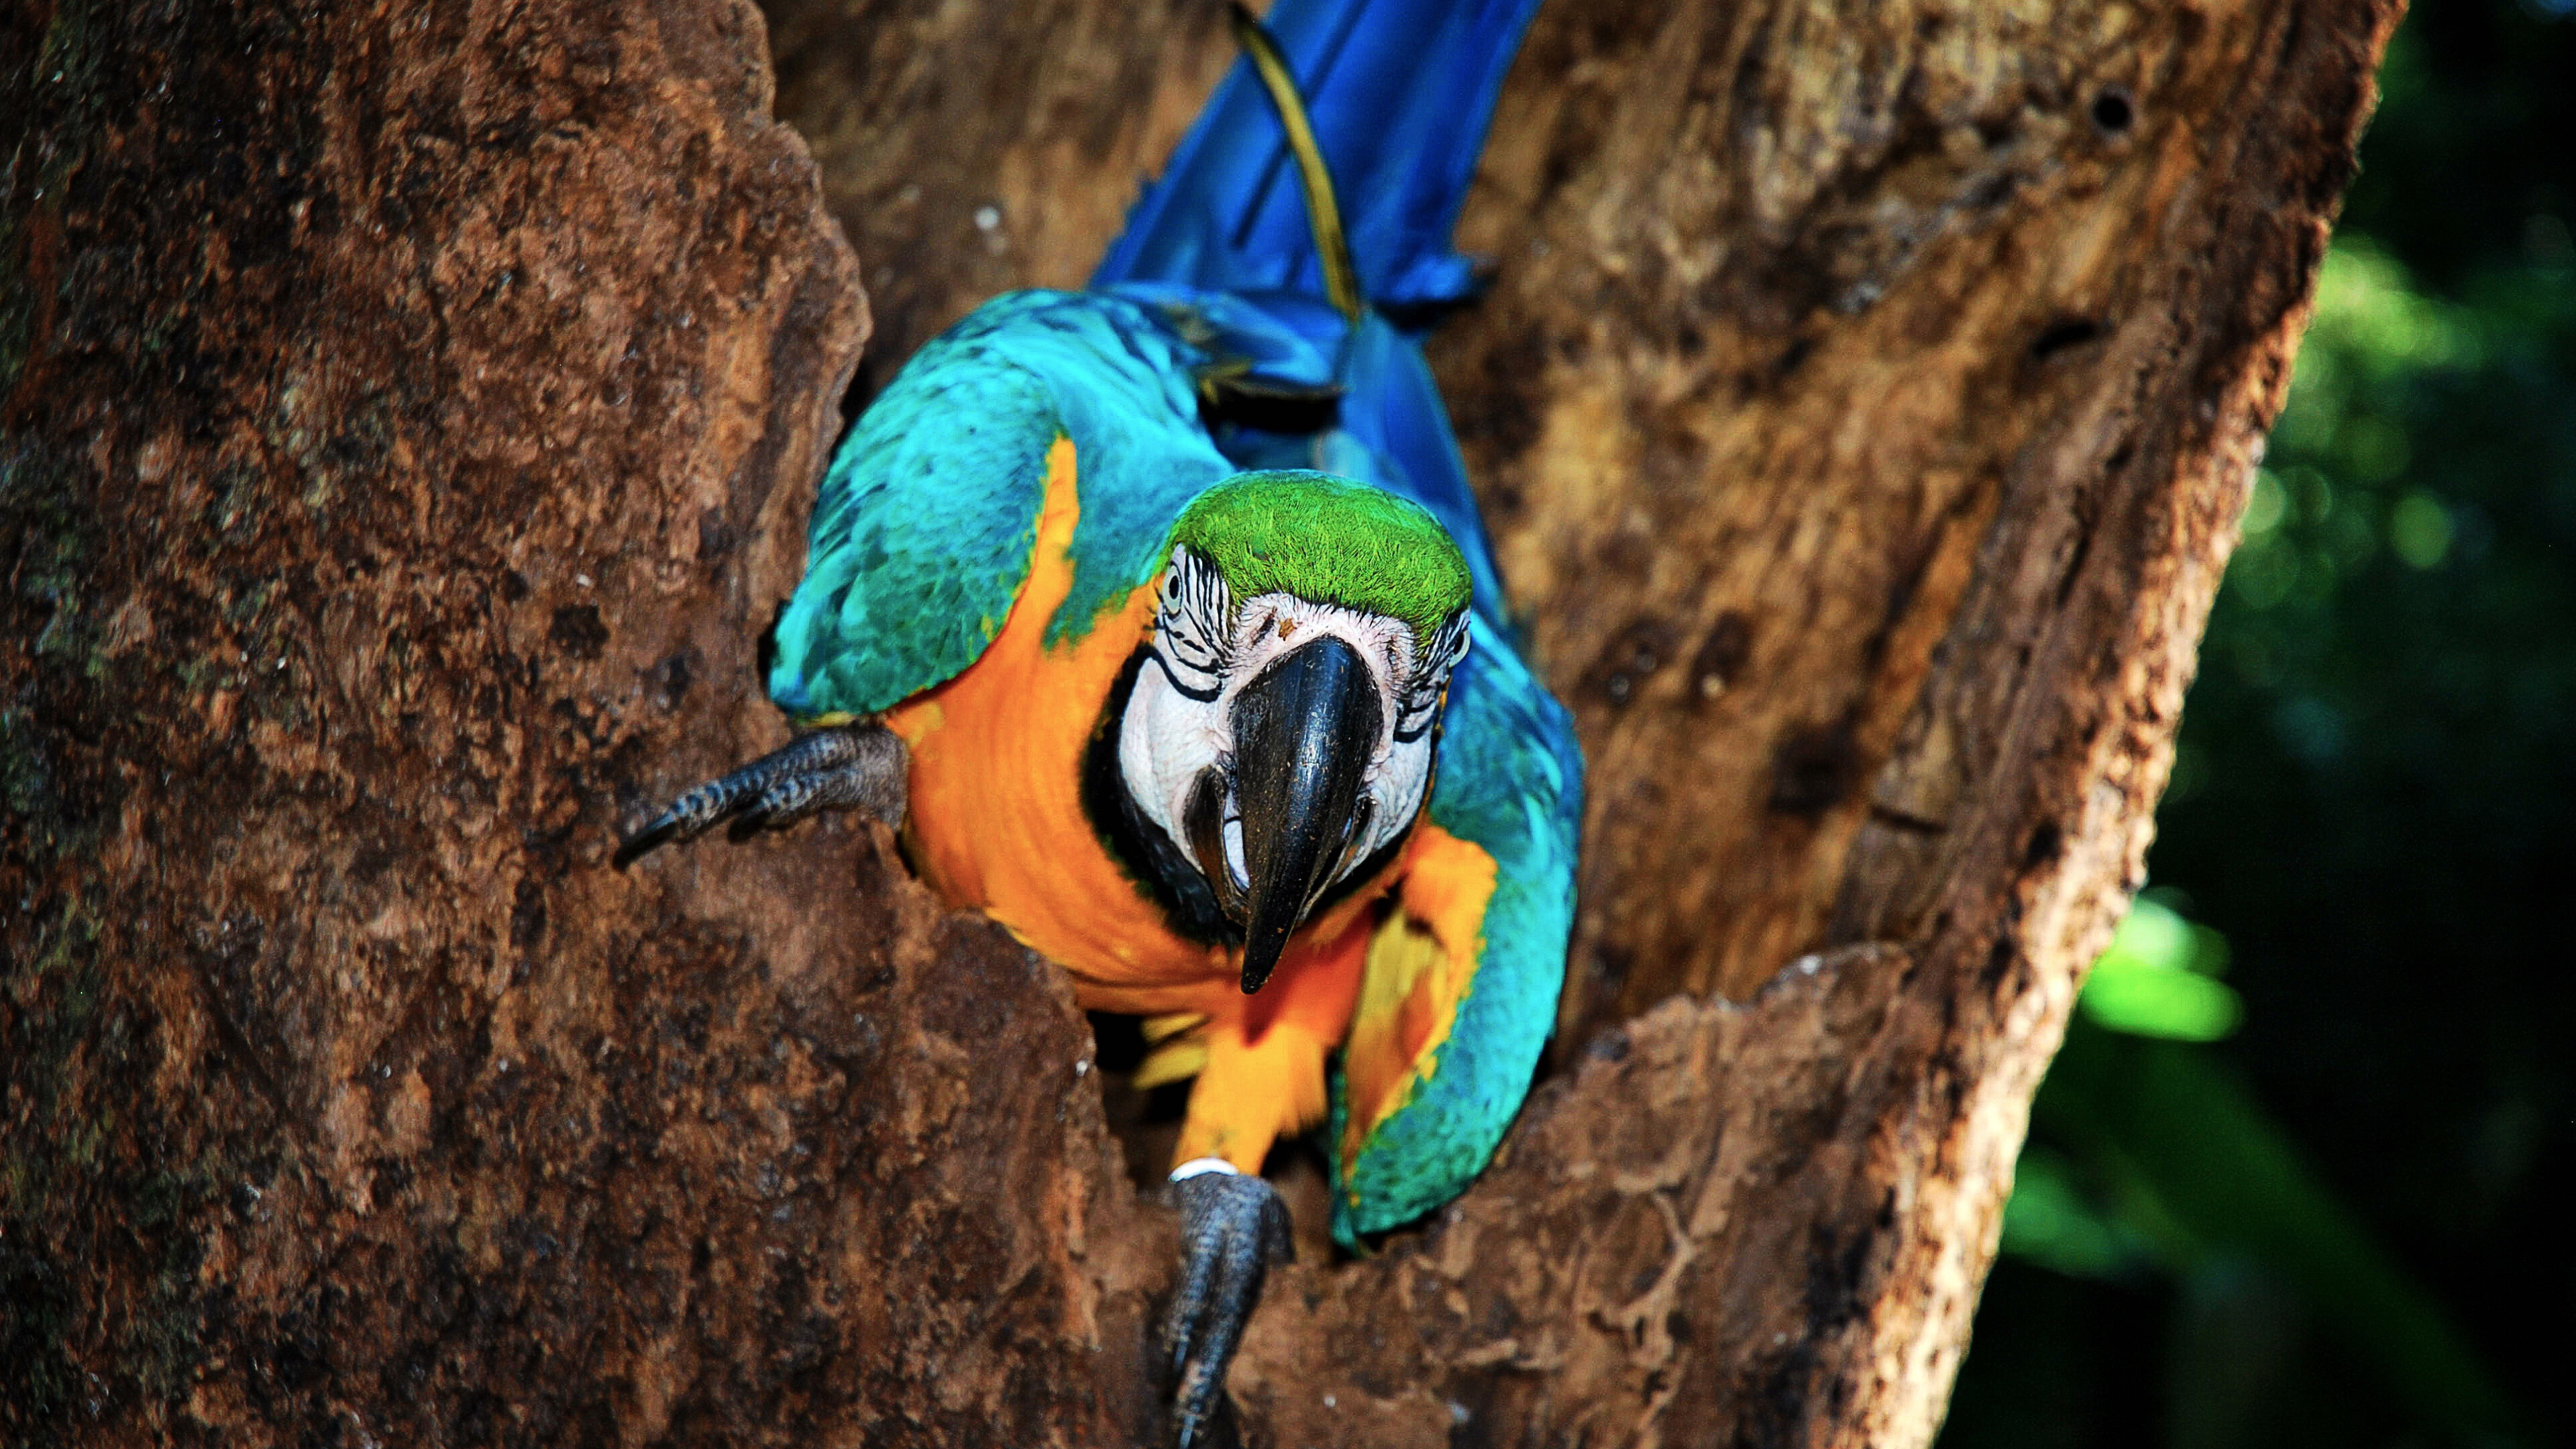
(1233, 1229)
(844, 766)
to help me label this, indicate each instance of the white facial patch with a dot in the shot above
(1165, 739)
(1206, 648)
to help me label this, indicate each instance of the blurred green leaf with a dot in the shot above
(2152, 1001)
(2266, 505)
(2053, 1221)
(2419, 529)
(2196, 1169)
(2156, 978)
(2370, 316)
(2148, 1155)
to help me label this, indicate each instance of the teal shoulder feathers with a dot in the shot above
(922, 527)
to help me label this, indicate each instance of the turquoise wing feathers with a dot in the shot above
(923, 525)
(892, 604)
(1510, 782)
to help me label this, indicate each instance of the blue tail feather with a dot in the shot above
(1400, 93)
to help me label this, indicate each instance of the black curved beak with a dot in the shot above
(1303, 733)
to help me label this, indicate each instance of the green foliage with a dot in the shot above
(2159, 978)
(2152, 1158)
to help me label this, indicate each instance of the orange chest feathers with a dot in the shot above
(997, 822)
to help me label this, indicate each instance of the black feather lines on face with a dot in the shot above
(1419, 703)
(1194, 627)
(1160, 870)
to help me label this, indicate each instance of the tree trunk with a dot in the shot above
(407, 420)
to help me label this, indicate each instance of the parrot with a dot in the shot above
(1159, 621)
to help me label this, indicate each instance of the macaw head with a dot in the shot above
(1281, 727)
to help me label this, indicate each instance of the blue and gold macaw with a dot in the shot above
(1159, 619)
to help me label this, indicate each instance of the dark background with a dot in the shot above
(2349, 1218)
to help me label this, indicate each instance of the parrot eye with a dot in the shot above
(1193, 627)
(1418, 702)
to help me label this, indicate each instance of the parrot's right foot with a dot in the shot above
(862, 766)
(1233, 1229)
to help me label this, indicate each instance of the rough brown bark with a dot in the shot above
(407, 420)
(409, 436)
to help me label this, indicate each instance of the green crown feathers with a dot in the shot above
(1329, 540)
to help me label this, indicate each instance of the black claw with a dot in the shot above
(643, 841)
(856, 765)
(1233, 1229)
